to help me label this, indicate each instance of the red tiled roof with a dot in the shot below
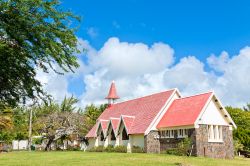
(143, 109)
(112, 92)
(184, 111)
(114, 123)
(128, 122)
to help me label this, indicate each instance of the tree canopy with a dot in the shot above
(33, 34)
(242, 119)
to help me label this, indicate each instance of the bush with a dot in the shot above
(96, 149)
(182, 149)
(137, 149)
(120, 149)
(109, 148)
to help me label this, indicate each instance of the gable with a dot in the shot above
(213, 114)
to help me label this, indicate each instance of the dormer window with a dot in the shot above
(124, 134)
(102, 136)
(112, 136)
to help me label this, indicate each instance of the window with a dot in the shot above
(102, 136)
(124, 134)
(182, 133)
(112, 135)
(215, 133)
(167, 134)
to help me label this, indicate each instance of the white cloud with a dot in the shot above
(139, 69)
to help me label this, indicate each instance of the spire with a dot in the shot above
(112, 96)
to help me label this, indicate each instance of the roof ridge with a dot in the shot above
(195, 95)
(145, 96)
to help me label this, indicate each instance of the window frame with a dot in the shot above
(215, 133)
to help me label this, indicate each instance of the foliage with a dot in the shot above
(34, 34)
(91, 114)
(241, 117)
(37, 141)
(237, 146)
(97, 149)
(120, 149)
(137, 149)
(182, 148)
(6, 118)
(109, 148)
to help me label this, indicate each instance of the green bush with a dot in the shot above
(109, 148)
(137, 149)
(96, 149)
(182, 149)
(120, 149)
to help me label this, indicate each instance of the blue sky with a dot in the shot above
(191, 27)
(150, 46)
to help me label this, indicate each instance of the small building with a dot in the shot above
(159, 121)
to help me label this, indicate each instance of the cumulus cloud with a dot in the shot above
(140, 69)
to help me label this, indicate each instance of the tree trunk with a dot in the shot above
(47, 148)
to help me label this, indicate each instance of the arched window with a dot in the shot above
(112, 136)
(124, 134)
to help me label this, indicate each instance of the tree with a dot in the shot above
(242, 120)
(58, 125)
(91, 114)
(34, 34)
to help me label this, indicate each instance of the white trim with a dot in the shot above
(162, 111)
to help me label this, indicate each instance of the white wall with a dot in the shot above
(213, 115)
(137, 140)
(20, 145)
(92, 143)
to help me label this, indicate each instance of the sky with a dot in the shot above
(151, 46)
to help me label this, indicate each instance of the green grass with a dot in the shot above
(103, 159)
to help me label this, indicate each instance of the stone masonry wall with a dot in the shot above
(169, 143)
(214, 149)
(151, 142)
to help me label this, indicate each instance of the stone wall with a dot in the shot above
(169, 143)
(214, 149)
(151, 142)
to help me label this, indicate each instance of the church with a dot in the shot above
(160, 121)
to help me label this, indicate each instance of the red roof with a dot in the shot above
(128, 122)
(112, 92)
(114, 123)
(143, 109)
(184, 111)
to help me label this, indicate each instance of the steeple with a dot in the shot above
(112, 96)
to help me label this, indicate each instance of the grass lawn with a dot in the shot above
(101, 159)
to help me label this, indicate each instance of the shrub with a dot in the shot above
(137, 149)
(109, 148)
(99, 149)
(182, 149)
(120, 149)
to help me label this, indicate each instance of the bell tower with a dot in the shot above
(112, 95)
